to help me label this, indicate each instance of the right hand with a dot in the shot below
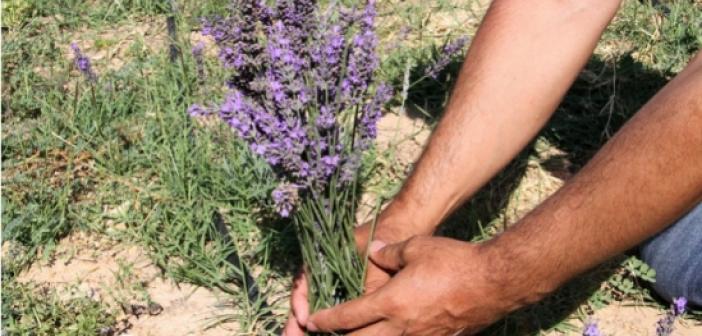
(375, 277)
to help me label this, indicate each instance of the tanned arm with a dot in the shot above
(643, 179)
(523, 59)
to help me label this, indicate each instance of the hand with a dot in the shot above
(441, 287)
(387, 230)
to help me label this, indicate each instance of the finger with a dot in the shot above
(346, 316)
(389, 257)
(298, 299)
(361, 235)
(292, 328)
(375, 278)
(381, 328)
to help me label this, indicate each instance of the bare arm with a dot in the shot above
(523, 59)
(643, 179)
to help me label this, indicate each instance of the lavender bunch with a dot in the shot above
(665, 326)
(303, 96)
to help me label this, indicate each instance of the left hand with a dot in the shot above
(441, 286)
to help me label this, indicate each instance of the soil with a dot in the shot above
(121, 275)
(628, 320)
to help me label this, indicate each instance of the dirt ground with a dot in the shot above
(113, 272)
(122, 276)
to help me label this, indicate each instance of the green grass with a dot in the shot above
(32, 311)
(72, 150)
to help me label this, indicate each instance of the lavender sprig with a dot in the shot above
(197, 51)
(666, 325)
(362, 58)
(82, 63)
(591, 329)
(285, 197)
(448, 51)
(679, 306)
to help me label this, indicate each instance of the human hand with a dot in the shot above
(441, 286)
(389, 229)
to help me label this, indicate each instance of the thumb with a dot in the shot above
(388, 257)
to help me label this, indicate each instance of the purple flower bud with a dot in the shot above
(326, 119)
(371, 114)
(666, 325)
(362, 59)
(680, 305)
(449, 51)
(329, 164)
(196, 110)
(82, 63)
(285, 197)
(199, 60)
(591, 329)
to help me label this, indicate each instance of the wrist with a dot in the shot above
(400, 220)
(394, 224)
(516, 270)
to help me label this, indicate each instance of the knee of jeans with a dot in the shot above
(675, 255)
(673, 277)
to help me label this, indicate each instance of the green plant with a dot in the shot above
(31, 310)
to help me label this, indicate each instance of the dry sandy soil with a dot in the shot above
(120, 274)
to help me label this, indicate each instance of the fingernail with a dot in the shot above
(311, 327)
(376, 245)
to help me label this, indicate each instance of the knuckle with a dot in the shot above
(414, 245)
(391, 305)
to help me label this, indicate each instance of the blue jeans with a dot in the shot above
(676, 255)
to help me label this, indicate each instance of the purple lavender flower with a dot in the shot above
(196, 110)
(591, 329)
(679, 306)
(298, 17)
(449, 51)
(82, 63)
(285, 198)
(372, 111)
(362, 58)
(326, 58)
(199, 60)
(666, 325)
(237, 39)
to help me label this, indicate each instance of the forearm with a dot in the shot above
(643, 179)
(520, 64)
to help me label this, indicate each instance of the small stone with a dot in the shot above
(155, 309)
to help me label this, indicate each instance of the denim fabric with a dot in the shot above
(676, 255)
